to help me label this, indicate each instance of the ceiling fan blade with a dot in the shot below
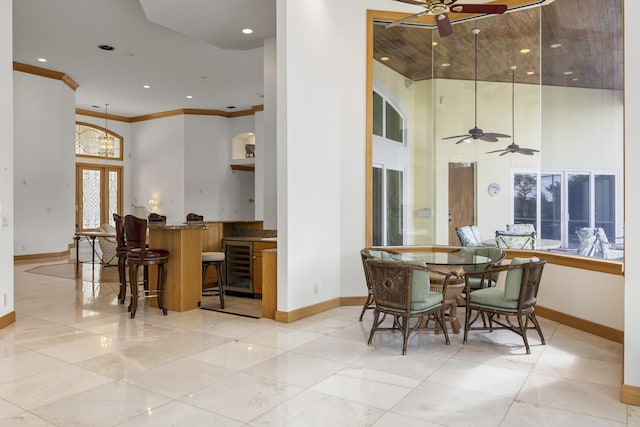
(465, 139)
(444, 25)
(419, 3)
(458, 136)
(505, 153)
(493, 9)
(488, 138)
(495, 151)
(496, 135)
(527, 151)
(403, 20)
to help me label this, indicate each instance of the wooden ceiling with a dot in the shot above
(589, 32)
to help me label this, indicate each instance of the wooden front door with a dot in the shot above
(462, 196)
(98, 195)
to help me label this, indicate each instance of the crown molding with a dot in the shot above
(43, 72)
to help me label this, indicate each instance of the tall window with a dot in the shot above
(558, 203)
(388, 212)
(388, 122)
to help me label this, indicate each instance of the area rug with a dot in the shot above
(247, 307)
(85, 272)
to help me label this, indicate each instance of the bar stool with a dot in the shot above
(121, 252)
(192, 217)
(138, 255)
(215, 259)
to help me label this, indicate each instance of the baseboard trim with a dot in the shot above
(7, 319)
(40, 256)
(630, 395)
(301, 313)
(352, 300)
(581, 324)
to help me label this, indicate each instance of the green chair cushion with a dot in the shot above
(493, 298)
(514, 279)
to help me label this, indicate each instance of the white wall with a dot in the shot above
(44, 177)
(632, 195)
(6, 160)
(157, 158)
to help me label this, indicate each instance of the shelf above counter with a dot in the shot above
(243, 165)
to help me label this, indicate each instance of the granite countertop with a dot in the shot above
(176, 226)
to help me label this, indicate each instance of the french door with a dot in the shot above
(98, 195)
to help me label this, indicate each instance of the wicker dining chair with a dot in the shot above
(517, 299)
(402, 291)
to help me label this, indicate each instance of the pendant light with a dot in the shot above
(106, 142)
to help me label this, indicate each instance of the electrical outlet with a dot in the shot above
(315, 289)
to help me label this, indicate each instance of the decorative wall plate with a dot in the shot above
(494, 189)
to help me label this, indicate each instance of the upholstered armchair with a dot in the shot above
(469, 235)
(403, 291)
(517, 299)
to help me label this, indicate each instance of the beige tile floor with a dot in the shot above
(74, 358)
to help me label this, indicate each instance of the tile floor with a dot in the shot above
(74, 358)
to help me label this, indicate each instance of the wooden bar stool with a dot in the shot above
(215, 259)
(121, 252)
(138, 255)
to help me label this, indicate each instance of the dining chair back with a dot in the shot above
(515, 240)
(371, 253)
(469, 235)
(402, 291)
(517, 299)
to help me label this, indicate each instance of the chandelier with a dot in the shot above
(106, 142)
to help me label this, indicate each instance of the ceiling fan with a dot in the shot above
(513, 147)
(439, 9)
(476, 132)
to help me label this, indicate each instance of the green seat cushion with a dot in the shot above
(492, 298)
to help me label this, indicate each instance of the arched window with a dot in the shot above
(88, 142)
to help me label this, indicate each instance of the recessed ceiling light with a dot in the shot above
(231, 107)
(384, 58)
(525, 50)
(146, 86)
(95, 106)
(531, 72)
(434, 43)
(555, 45)
(247, 31)
(568, 73)
(446, 64)
(105, 47)
(189, 97)
(42, 59)
(575, 79)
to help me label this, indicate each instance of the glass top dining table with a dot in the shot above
(443, 258)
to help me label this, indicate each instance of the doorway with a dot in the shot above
(98, 195)
(462, 198)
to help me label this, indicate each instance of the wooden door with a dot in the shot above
(462, 196)
(98, 195)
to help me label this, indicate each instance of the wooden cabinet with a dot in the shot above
(269, 283)
(258, 247)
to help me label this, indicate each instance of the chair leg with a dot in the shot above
(220, 286)
(205, 266)
(532, 316)
(405, 334)
(467, 322)
(133, 280)
(162, 281)
(123, 279)
(374, 325)
(523, 332)
(366, 305)
(443, 324)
